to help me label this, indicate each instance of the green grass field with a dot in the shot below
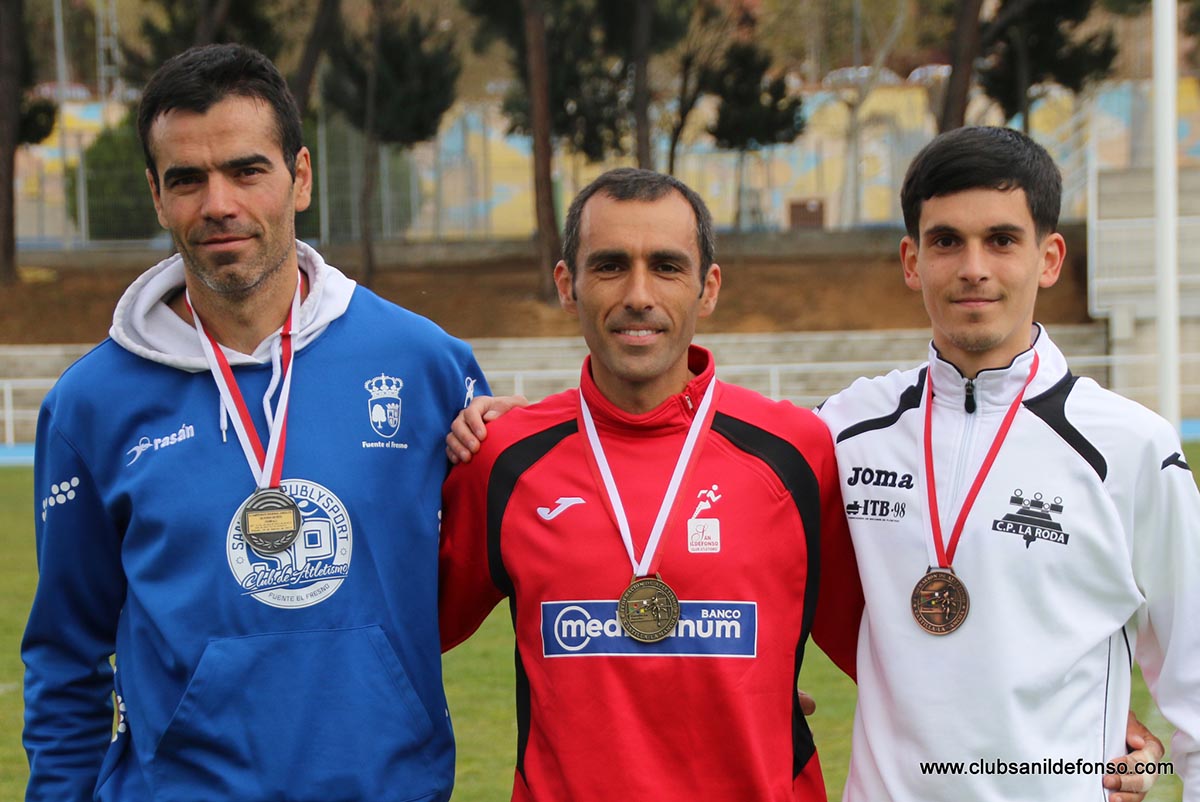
(479, 679)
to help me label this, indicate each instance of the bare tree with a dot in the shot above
(12, 47)
(854, 99)
(538, 71)
(708, 33)
(394, 82)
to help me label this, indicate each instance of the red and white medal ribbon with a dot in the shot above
(265, 465)
(945, 552)
(698, 427)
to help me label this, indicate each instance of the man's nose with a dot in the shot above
(220, 198)
(638, 291)
(974, 265)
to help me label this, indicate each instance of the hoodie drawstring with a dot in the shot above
(276, 372)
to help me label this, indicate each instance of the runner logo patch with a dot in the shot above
(705, 629)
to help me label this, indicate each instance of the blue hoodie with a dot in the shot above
(311, 675)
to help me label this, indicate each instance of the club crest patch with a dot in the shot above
(1033, 520)
(383, 408)
(313, 567)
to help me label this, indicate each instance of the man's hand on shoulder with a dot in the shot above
(1133, 787)
(469, 429)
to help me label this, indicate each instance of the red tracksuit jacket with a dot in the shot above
(709, 713)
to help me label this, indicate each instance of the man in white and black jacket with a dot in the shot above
(1022, 534)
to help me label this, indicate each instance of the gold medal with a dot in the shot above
(648, 609)
(940, 602)
(270, 521)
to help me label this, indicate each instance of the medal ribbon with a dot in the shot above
(945, 554)
(266, 465)
(698, 427)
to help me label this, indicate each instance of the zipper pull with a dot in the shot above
(687, 399)
(969, 402)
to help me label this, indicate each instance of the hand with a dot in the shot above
(1148, 749)
(469, 428)
(808, 705)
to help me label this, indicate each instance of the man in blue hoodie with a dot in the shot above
(245, 580)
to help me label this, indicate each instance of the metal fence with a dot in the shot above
(806, 384)
(474, 180)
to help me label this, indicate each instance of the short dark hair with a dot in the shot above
(632, 184)
(200, 77)
(983, 157)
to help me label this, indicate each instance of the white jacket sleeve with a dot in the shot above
(1166, 564)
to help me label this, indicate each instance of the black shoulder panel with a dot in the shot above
(1050, 406)
(793, 470)
(909, 399)
(509, 467)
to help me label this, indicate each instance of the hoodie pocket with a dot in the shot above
(298, 716)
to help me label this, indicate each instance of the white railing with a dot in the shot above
(839, 374)
(769, 378)
(11, 411)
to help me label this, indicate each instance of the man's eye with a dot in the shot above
(1005, 241)
(944, 241)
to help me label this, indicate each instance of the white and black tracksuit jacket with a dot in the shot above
(1081, 554)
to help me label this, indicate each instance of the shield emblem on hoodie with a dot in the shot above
(383, 408)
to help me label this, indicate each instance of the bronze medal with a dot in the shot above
(648, 609)
(940, 602)
(270, 521)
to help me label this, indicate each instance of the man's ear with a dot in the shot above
(908, 262)
(565, 283)
(303, 181)
(710, 290)
(1054, 253)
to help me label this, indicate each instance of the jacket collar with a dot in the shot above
(995, 388)
(676, 412)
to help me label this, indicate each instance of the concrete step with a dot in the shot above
(38, 361)
(806, 367)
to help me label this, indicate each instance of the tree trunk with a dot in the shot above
(538, 69)
(964, 49)
(851, 193)
(641, 82)
(1020, 57)
(689, 93)
(370, 149)
(851, 181)
(324, 23)
(740, 181)
(366, 204)
(211, 21)
(12, 46)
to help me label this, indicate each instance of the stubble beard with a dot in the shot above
(235, 284)
(975, 342)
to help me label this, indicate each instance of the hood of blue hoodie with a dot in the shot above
(145, 325)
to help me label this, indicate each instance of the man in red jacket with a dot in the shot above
(658, 534)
